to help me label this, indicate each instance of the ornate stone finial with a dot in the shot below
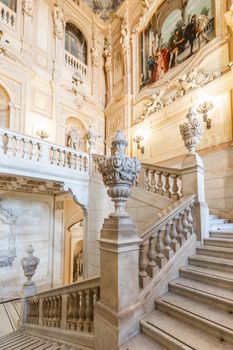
(191, 130)
(29, 265)
(119, 173)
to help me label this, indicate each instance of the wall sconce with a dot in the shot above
(203, 109)
(42, 134)
(138, 139)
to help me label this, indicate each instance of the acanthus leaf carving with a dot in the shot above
(96, 49)
(59, 25)
(191, 131)
(28, 7)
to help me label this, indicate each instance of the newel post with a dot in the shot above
(118, 310)
(193, 173)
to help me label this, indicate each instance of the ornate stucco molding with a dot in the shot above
(229, 17)
(59, 25)
(95, 49)
(175, 89)
(28, 7)
(119, 173)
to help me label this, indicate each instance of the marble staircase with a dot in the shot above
(21, 340)
(196, 312)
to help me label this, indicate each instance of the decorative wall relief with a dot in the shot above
(58, 19)
(175, 32)
(229, 17)
(78, 89)
(107, 53)
(7, 237)
(96, 49)
(28, 7)
(125, 35)
(175, 89)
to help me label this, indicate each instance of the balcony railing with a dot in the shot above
(75, 64)
(7, 16)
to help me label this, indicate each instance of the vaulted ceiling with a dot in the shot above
(104, 7)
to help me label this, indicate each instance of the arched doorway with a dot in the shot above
(4, 108)
(75, 135)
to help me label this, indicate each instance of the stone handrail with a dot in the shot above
(7, 16)
(161, 180)
(18, 146)
(75, 64)
(163, 239)
(68, 307)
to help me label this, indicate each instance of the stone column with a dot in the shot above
(193, 173)
(118, 311)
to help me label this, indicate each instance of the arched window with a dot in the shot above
(75, 43)
(10, 3)
(4, 108)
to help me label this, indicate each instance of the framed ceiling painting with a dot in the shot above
(176, 31)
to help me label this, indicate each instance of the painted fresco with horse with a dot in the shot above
(183, 32)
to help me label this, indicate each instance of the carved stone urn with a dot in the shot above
(119, 173)
(29, 265)
(191, 131)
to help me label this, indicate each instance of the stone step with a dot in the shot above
(142, 342)
(178, 335)
(219, 242)
(217, 221)
(222, 227)
(211, 262)
(219, 297)
(213, 277)
(221, 234)
(22, 341)
(219, 252)
(215, 322)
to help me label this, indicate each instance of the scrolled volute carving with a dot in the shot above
(119, 173)
(191, 131)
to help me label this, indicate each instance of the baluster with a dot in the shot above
(34, 152)
(152, 268)
(50, 312)
(180, 188)
(85, 165)
(174, 243)
(75, 161)
(190, 219)
(186, 232)
(89, 310)
(160, 258)
(65, 160)
(82, 310)
(159, 183)
(59, 307)
(17, 148)
(44, 312)
(143, 276)
(70, 159)
(179, 228)
(69, 312)
(175, 194)
(167, 189)
(151, 180)
(10, 145)
(60, 157)
(54, 313)
(168, 252)
(80, 163)
(76, 310)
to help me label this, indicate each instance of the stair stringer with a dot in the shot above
(159, 284)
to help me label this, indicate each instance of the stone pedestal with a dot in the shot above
(193, 182)
(118, 311)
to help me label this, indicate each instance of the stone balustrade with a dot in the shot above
(26, 148)
(7, 16)
(70, 307)
(161, 180)
(164, 238)
(75, 64)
